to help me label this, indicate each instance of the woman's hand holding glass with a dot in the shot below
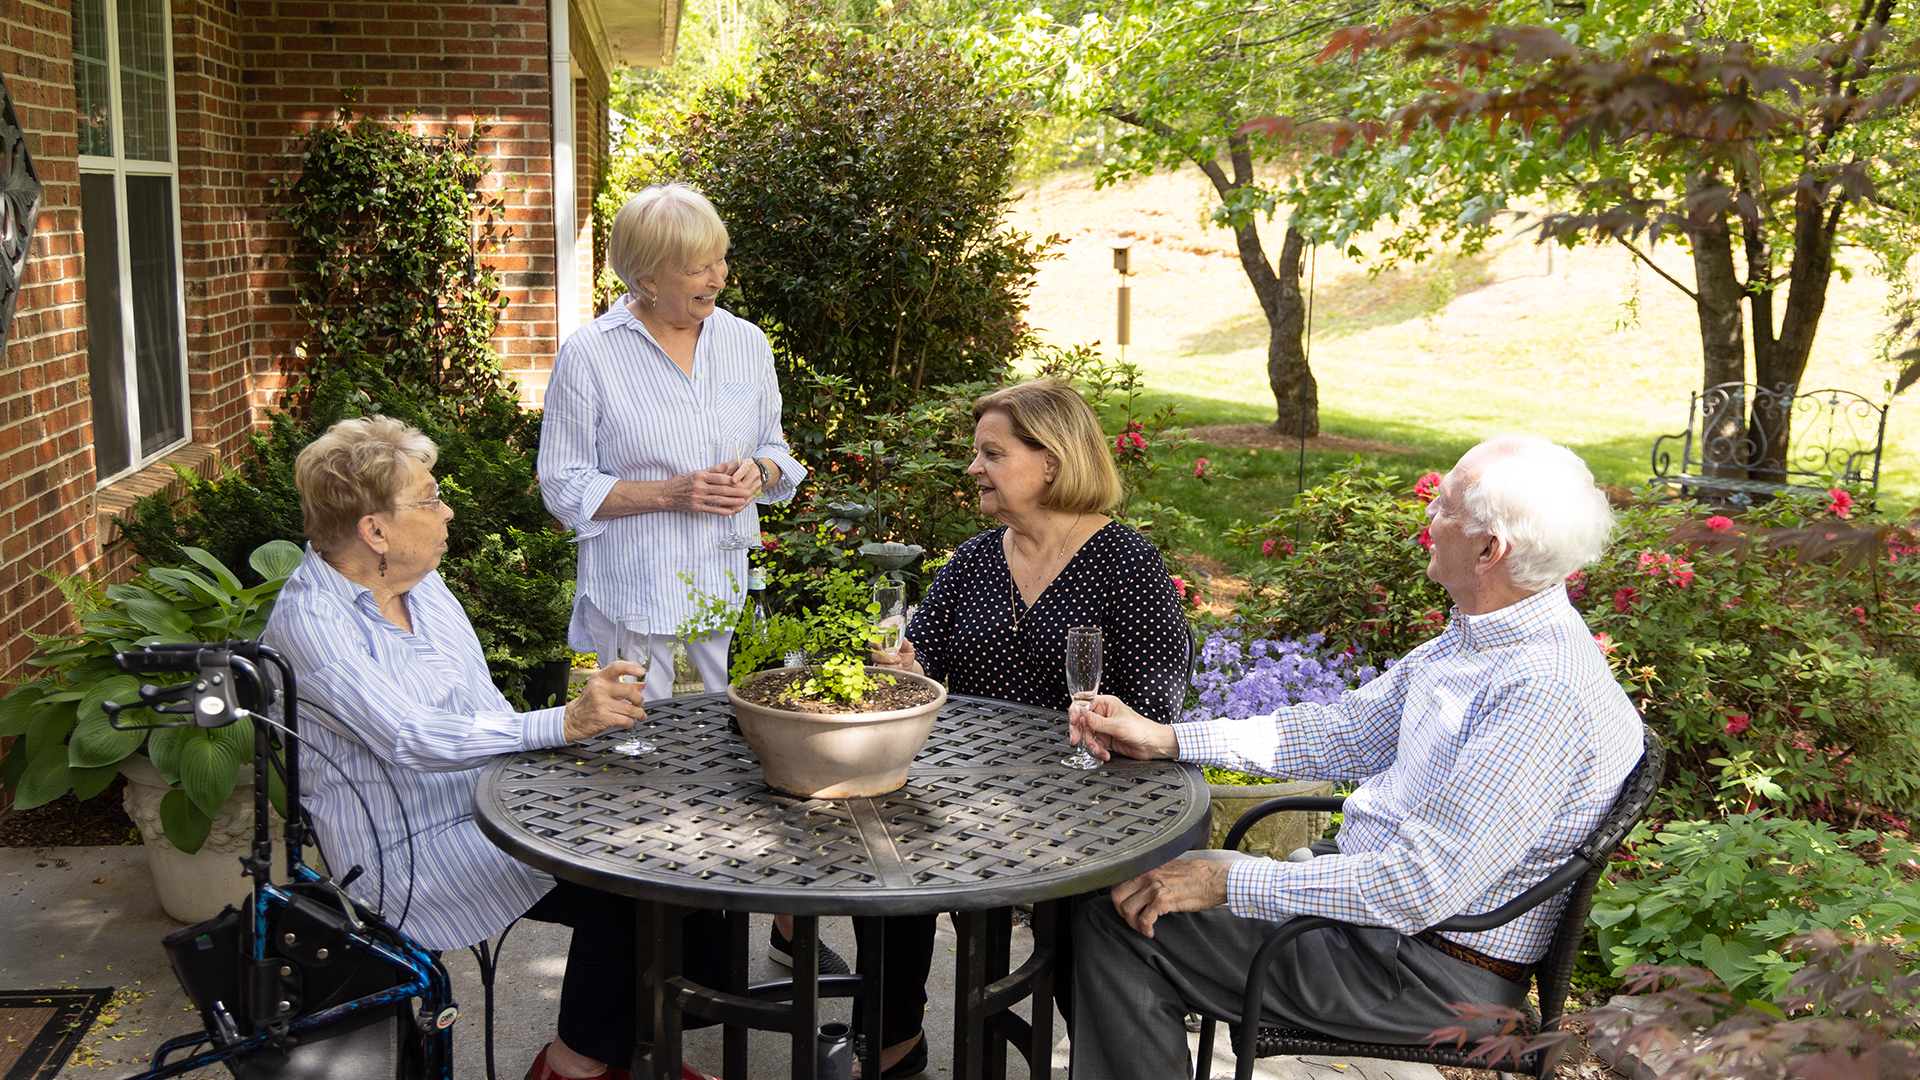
(606, 703)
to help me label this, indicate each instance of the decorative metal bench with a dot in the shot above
(1729, 452)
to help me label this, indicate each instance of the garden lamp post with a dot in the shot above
(1123, 298)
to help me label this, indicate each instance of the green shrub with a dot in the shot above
(1783, 642)
(1729, 895)
(1345, 560)
(864, 180)
(506, 561)
(63, 740)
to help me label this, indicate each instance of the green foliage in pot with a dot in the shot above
(827, 614)
(63, 739)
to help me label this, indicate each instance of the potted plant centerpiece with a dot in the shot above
(190, 789)
(833, 727)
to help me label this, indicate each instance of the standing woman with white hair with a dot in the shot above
(636, 402)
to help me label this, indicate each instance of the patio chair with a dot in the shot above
(1577, 877)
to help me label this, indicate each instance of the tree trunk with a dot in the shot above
(1807, 278)
(1717, 295)
(1296, 394)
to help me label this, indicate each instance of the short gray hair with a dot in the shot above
(1540, 498)
(666, 223)
(358, 467)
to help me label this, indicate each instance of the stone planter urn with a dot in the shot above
(193, 888)
(1277, 836)
(836, 755)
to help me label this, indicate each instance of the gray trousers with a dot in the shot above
(1361, 983)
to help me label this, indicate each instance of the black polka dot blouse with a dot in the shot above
(964, 633)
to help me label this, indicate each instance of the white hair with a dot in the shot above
(666, 223)
(1540, 499)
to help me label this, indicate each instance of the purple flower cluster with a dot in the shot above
(1237, 679)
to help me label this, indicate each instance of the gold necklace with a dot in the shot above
(1013, 587)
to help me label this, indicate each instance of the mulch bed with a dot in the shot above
(69, 822)
(773, 691)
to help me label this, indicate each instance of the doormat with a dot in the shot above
(39, 1028)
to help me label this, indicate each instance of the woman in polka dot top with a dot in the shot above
(994, 623)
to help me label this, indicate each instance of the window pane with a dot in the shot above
(106, 374)
(94, 109)
(156, 311)
(143, 79)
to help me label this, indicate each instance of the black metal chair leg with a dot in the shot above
(489, 961)
(1203, 1061)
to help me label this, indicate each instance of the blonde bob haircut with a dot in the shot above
(666, 224)
(358, 467)
(1049, 415)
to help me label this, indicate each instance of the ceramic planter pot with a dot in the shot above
(1276, 836)
(193, 888)
(836, 755)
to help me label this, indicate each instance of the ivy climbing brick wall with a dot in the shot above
(435, 67)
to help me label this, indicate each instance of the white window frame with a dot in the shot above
(119, 166)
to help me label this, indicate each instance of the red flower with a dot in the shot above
(1434, 618)
(1577, 585)
(1719, 524)
(1860, 615)
(1180, 584)
(1281, 546)
(1659, 566)
(1200, 468)
(1736, 723)
(1130, 443)
(769, 543)
(1606, 644)
(1424, 488)
(1425, 539)
(1839, 503)
(1624, 599)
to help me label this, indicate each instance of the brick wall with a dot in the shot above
(440, 67)
(46, 439)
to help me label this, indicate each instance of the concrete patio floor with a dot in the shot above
(86, 917)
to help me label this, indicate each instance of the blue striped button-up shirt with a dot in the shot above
(617, 408)
(409, 718)
(1488, 753)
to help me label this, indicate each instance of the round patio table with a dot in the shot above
(988, 818)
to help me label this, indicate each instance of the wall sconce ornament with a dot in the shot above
(19, 209)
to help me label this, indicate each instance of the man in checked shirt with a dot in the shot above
(1483, 758)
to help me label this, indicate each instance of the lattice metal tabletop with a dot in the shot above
(988, 817)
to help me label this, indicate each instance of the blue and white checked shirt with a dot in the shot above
(618, 408)
(424, 706)
(1488, 753)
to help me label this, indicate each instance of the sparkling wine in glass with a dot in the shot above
(634, 644)
(890, 616)
(728, 456)
(1083, 682)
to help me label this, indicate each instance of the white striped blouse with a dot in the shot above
(423, 717)
(617, 408)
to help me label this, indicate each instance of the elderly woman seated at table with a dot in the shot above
(401, 717)
(994, 623)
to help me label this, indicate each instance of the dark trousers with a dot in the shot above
(909, 951)
(599, 995)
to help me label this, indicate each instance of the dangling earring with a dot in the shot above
(383, 565)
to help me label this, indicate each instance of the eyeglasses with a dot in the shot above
(428, 503)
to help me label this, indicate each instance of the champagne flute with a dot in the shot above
(1083, 682)
(728, 456)
(633, 643)
(891, 618)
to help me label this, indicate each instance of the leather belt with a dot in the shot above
(1506, 969)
